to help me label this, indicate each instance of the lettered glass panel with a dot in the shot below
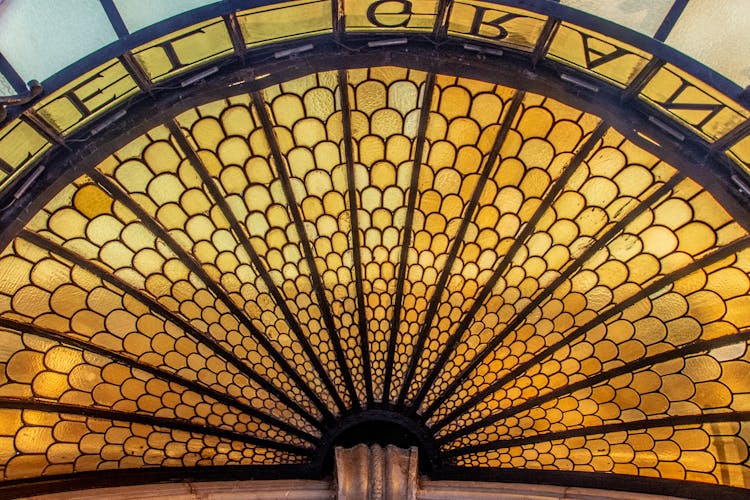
(597, 54)
(20, 144)
(493, 23)
(740, 153)
(184, 50)
(87, 97)
(380, 15)
(693, 103)
(284, 21)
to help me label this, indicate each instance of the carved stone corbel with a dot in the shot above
(376, 473)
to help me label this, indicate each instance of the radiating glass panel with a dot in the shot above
(234, 150)
(285, 20)
(489, 22)
(644, 16)
(597, 54)
(41, 37)
(139, 14)
(184, 50)
(693, 103)
(715, 32)
(87, 97)
(362, 15)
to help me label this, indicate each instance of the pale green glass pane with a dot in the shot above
(5, 87)
(138, 14)
(644, 16)
(715, 32)
(41, 37)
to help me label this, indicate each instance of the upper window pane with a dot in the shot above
(715, 32)
(138, 14)
(41, 37)
(644, 16)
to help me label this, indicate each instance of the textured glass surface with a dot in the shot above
(138, 14)
(740, 152)
(694, 103)
(5, 87)
(185, 49)
(20, 144)
(603, 56)
(644, 16)
(41, 37)
(87, 97)
(494, 23)
(715, 32)
(383, 15)
(580, 306)
(284, 21)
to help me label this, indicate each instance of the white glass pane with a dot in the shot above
(138, 14)
(717, 33)
(41, 37)
(644, 16)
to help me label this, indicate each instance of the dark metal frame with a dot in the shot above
(237, 75)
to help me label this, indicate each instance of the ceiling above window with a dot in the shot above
(513, 232)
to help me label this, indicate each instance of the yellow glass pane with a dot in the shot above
(418, 15)
(20, 143)
(740, 152)
(284, 21)
(87, 97)
(185, 49)
(597, 54)
(693, 103)
(498, 24)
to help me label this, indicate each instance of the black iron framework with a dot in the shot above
(703, 162)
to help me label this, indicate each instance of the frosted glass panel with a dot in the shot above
(5, 87)
(641, 15)
(41, 37)
(138, 14)
(715, 32)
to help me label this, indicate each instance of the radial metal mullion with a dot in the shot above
(694, 347)
(346, 119)
(213, 190)
(527, 230)
(168, 377)
(432, 307)
(317, 282)
(440, 30)
(732, 137)
(545, 40)
(641, 79)
(673, 421)
(600, 243)
(424, 116)
(139, 418)
(644, 293)
(158, 308)
(192, 263)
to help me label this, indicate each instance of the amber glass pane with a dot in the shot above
(542, 141)
(488, 22)
(285, 20)
(693, 103)
(461, 131)
(662, 240)
(20, 144)
(418, 15)
(708, 453)
(385, 106)
(185, 49)
(35, 443)
(235, 152)
(740, 153)
(167, 186)
(597, 54)
(87, 97)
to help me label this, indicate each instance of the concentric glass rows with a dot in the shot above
(530, 284)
